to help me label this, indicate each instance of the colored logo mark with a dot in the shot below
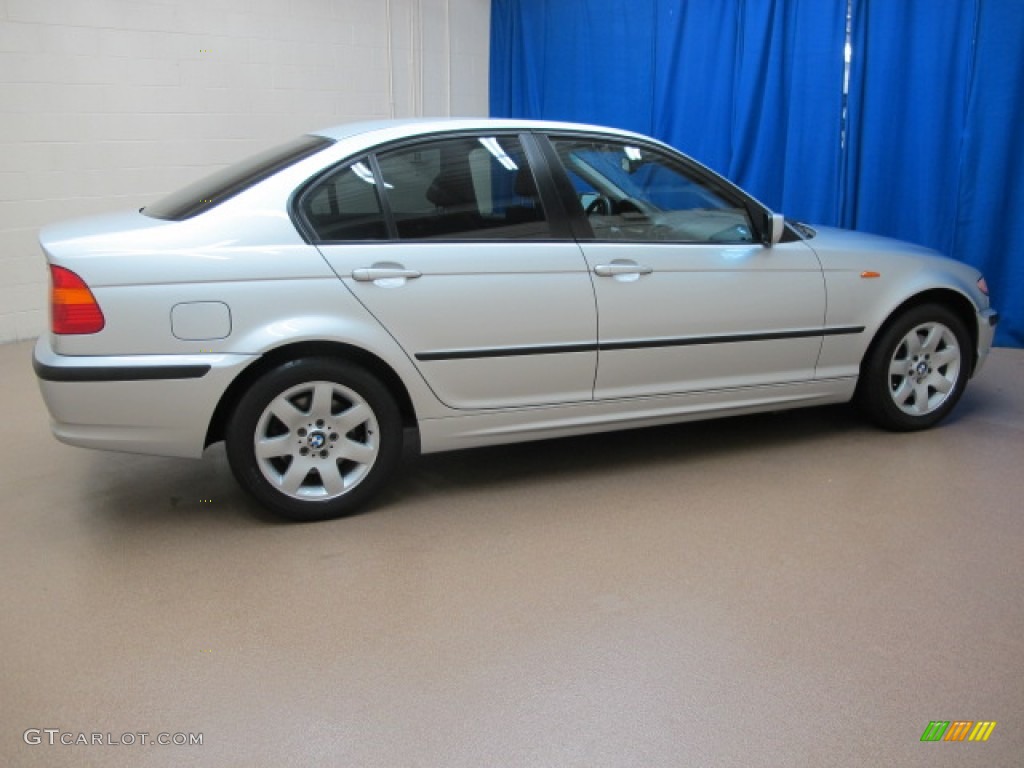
(958, 730)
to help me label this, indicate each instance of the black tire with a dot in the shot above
(915, 373)
(331, 435)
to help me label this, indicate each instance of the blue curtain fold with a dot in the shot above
(695, 52)
(787, 115)
(587, 61)
(754, 89)
(908, 99)
(989, 220)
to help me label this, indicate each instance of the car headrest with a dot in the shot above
(524, 185)
(451, 189)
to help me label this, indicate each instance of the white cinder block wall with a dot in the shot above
(108, 104)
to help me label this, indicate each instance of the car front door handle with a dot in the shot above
(372, 274)
(621, 268)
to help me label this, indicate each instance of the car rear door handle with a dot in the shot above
(371, 274)
(621, 268)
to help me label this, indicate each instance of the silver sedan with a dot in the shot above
(479, 282)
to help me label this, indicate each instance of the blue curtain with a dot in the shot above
(582, 60)
(750, 88)
(989, 221)
(754, 89)
(695, 48)
(908, 100)
(787, 114)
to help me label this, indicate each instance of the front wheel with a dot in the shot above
(314, 438)
(916, 373)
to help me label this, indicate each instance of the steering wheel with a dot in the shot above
(739, 233)
(629, 205)
(599, 206)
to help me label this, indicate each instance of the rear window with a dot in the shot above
(214, 189)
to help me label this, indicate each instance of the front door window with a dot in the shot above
(635, 193)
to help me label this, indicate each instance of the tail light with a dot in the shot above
(73, 308)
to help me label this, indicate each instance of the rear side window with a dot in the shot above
(345, 206)
(479, 188)
(214, 189)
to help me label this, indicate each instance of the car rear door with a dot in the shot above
(687, 299)
(447, 242)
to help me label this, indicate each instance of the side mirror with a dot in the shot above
(772, 229)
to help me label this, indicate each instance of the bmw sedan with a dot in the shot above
(474, 282)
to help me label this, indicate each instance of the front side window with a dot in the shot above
(463, 188)
(634, 193)
(345, 206)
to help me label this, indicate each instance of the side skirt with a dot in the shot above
(522, 424)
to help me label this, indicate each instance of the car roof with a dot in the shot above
(410, 127)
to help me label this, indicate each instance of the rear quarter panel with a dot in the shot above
(245, 254)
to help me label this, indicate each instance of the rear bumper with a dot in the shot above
(154, 404)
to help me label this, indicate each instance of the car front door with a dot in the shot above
(688, 300)
(448, 244)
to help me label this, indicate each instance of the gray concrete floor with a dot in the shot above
(784, 590)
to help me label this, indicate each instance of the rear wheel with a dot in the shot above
(916, 373)
(314, 438)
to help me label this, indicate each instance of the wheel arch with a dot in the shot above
(295, 351)
(951, 299)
